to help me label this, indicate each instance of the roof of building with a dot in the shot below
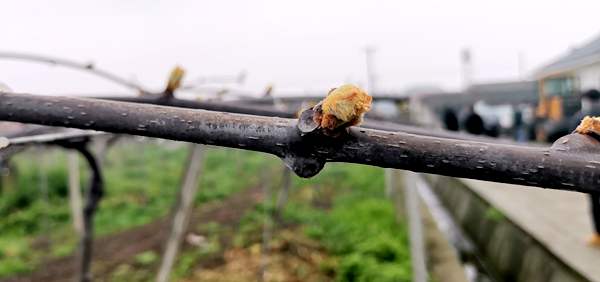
(506, 89)
(513, 92)
(586, 54)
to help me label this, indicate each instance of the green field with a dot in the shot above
(343, 209)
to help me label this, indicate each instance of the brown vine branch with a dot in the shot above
(571, 164)
(210, 106)
(89, 67)
(94, 195)
(235, 107)
(199, 81)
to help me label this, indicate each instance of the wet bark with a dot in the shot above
(571, 164)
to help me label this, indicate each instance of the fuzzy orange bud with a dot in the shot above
(589, 125)
(344, 105)
(175, 79)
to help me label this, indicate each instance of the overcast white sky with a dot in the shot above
(309, 45)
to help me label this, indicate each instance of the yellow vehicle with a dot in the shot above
(558, 99)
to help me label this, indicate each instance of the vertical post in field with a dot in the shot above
(45, 199)
(182, 211)
(267, 230)
(282, 198)
(75, 191)
(413, 212)
(390, 182)
(396, 188)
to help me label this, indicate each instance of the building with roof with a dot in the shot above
(565, 77)
(578, 70)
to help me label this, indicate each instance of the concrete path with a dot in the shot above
(558, 219)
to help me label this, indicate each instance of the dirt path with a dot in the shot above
(292, 258)
(113, 250)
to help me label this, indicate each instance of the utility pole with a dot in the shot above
(467, 68)
(369, 52)
(521, 65)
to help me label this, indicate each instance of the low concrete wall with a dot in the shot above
(508, 252)
(443, 263)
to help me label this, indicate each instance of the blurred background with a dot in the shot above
(298, 47)
(509, 72)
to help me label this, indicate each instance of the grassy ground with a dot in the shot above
(141, 182)
(342, 210)
(359, 229)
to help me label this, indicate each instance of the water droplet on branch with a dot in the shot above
(304, 167)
